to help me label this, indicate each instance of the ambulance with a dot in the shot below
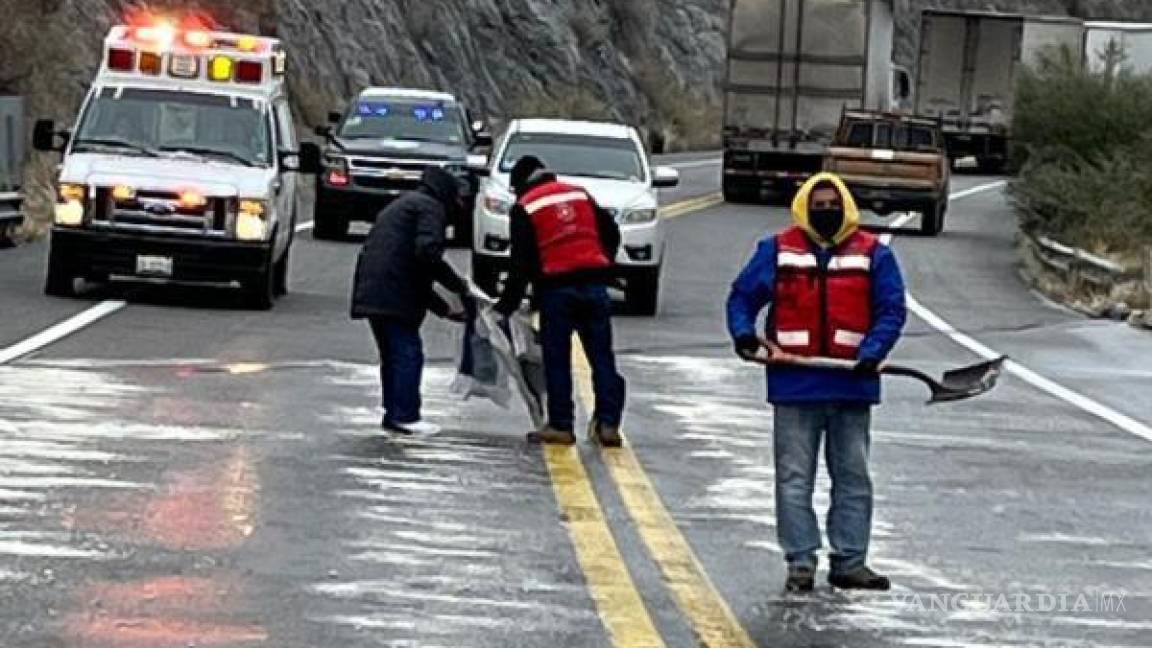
(182, 167)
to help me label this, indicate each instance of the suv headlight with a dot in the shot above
(252, 220)
(497, 205)
(636, 216)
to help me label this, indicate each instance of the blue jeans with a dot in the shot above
(401, 368)
(587, 311)
(798, 430)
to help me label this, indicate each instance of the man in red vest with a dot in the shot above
(837, 292)
(565, 245)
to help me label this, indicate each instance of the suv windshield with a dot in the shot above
(148, 122)
(578, 155)
(404, 119)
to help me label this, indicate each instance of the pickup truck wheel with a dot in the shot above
(260, 290)
(642, 295)
(7, 235)
(932, 218)
(485, 275)
(60, 281)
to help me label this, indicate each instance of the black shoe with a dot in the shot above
(800, 579)
(860, 579)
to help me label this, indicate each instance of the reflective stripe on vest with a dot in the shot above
(822, 312)
(567, 235)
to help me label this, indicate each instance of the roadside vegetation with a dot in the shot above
(1084, 140)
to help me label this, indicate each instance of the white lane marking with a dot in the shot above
(1053, 388)
(977, 189)
(694, 164)
(60, 331)
(305, 226)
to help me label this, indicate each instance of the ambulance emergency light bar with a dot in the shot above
(193, 54)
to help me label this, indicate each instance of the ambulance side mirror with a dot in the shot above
(46, 138)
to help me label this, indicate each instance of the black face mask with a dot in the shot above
(826, 222)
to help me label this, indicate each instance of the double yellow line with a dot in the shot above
(618, 602)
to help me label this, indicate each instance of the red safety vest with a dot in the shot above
(566, 232)
(823, 312)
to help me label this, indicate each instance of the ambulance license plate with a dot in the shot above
(154, 266)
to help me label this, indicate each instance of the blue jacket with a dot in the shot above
(754, 289)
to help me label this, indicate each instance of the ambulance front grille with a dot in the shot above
(160, 212)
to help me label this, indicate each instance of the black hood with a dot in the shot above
(401, 149)
(442, 186)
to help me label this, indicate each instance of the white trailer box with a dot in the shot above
(968, 65)
(793, 66)
(1134, 40)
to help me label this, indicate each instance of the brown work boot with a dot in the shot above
(606, 435)
(551, 436)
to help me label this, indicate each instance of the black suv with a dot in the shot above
(381, 145)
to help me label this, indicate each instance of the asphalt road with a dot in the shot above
(182, 472)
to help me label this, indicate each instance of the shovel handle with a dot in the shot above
(777, 357)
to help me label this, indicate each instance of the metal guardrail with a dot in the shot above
(1083, 271)
(1077, 266)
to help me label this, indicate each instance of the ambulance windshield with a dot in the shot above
(159, 122)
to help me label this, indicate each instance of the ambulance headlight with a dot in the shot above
(70, 213)
(76, 192)
(251, 220)
(637, 216)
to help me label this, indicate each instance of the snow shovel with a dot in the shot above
(955, 385)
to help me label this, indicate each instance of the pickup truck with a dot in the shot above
(893, 163)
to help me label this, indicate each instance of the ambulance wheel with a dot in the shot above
(281, 274)
(260, 290)
(932, 218)
(486, 275)
(60, 282)
(642, 292)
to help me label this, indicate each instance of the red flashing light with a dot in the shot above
(338, 178)
(249, 72)
(121, 60)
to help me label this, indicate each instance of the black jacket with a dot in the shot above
(525, 262)
(403, 256)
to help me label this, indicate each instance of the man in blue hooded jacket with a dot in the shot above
(832, 291)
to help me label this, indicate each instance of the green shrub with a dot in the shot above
(1084, 139)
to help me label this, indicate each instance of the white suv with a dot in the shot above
(609, 161)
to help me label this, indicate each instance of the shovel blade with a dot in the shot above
(968, 382)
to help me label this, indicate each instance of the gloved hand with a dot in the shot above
(867, 367)
(747, 346)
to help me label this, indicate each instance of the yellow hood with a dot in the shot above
(851, 212)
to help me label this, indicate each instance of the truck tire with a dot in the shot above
(280, 271)
(485, 274)
(260, 290)
(932, 218)
(642, 292)
(60, 280)
(990, 166)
